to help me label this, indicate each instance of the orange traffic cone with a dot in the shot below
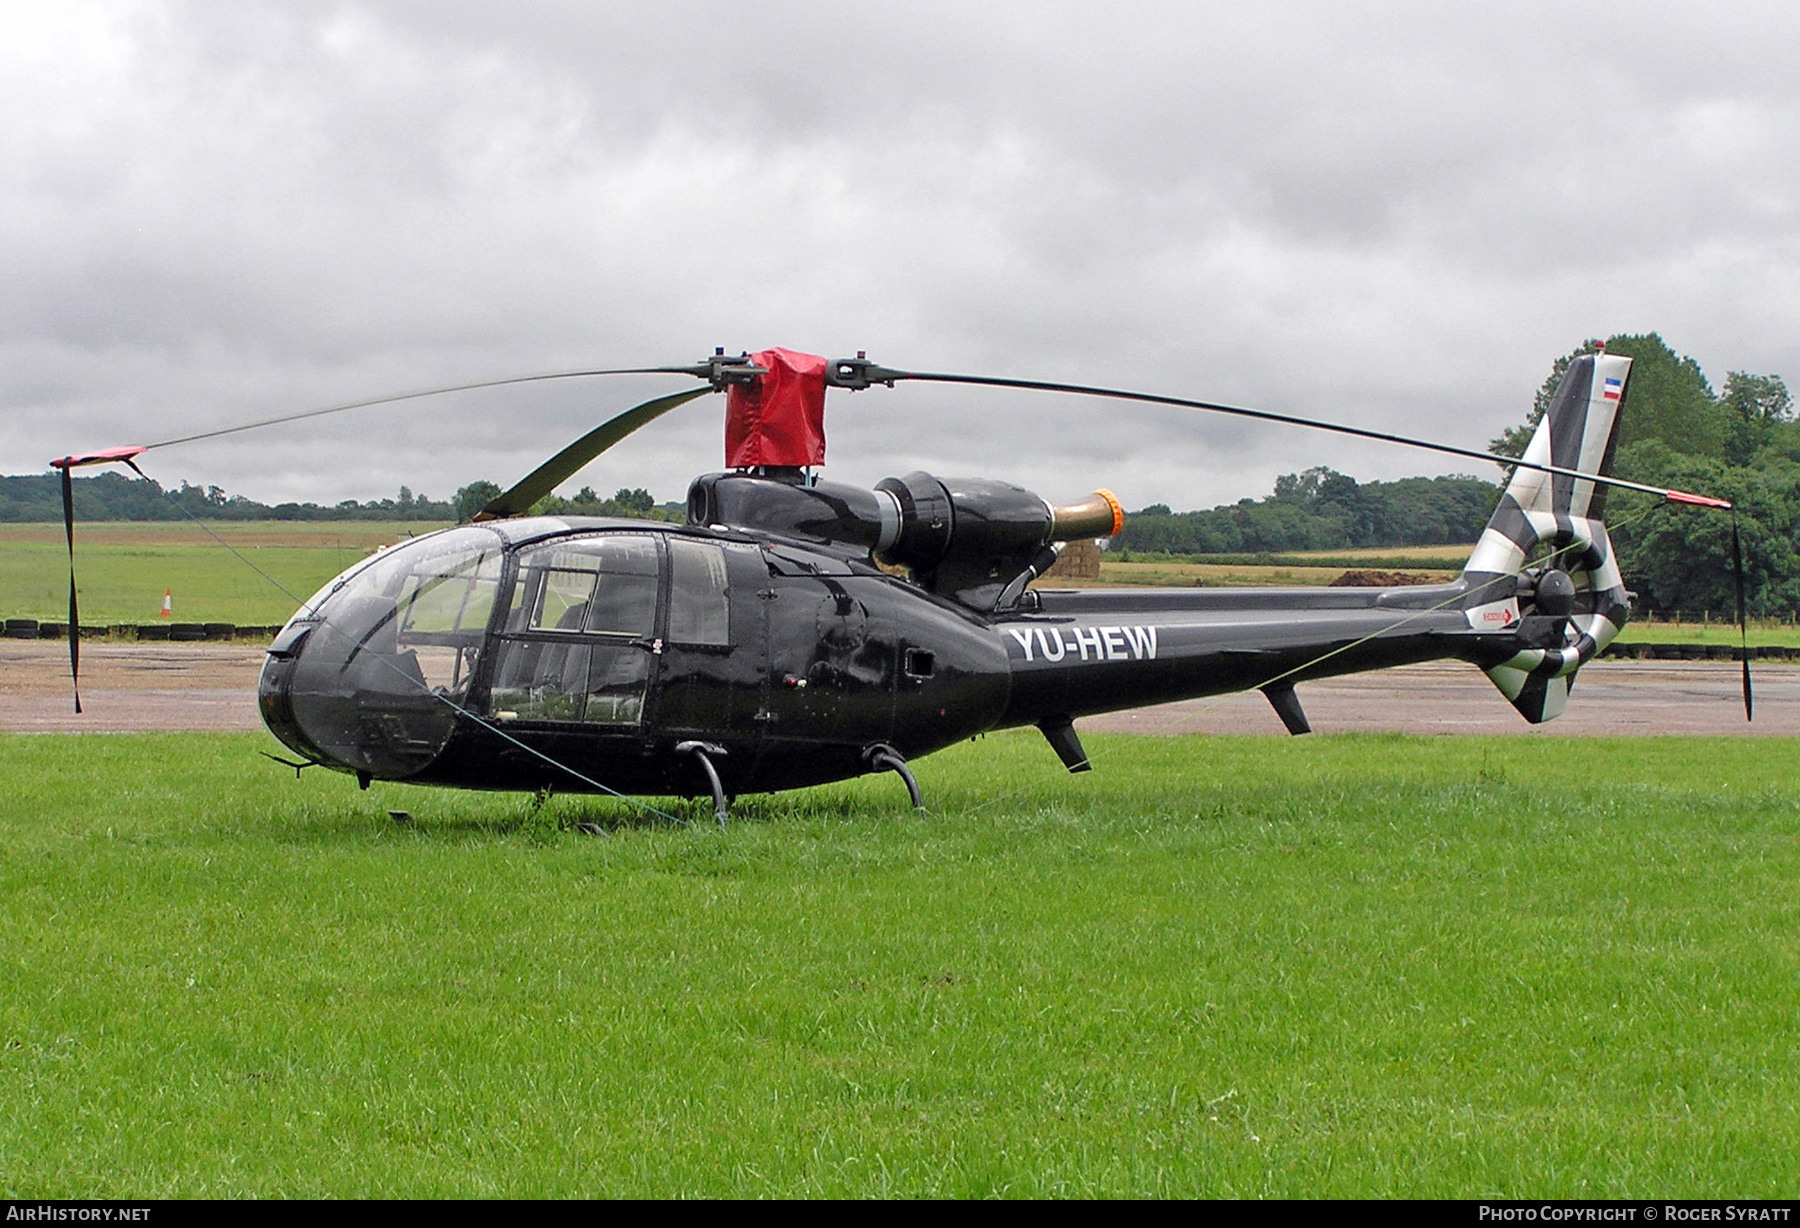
(168, 603)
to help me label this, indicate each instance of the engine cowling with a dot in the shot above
(968, 539)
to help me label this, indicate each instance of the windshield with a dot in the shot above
(395, 647)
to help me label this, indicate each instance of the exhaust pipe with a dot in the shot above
(1098, 515)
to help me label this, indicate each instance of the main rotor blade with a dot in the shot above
(871, 374)
(425, 392)
(565, 464)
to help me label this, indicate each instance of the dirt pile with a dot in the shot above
(1379, 579)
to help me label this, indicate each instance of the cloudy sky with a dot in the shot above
(1395, 215)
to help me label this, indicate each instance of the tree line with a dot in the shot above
(1321, 509)
(37, 498)
(113, 496)
(636, 503)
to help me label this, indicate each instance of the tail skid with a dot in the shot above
(1545, 564)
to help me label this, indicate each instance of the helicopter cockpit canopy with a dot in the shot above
(383, 654)
(375, 671)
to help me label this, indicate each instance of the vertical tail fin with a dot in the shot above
(1544, 568)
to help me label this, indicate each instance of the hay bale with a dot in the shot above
(1080, 560)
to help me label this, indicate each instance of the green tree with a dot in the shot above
(634, 502)
(1758, 398)
(1756, 408)
(1668, 398)
(1679, 558)
(472, 498)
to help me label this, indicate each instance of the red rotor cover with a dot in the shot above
(780, 419)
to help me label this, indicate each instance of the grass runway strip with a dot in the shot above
(1332, 966)
(123, 568)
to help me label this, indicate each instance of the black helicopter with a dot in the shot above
(796, 631)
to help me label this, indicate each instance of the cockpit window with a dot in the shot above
(699, 601)
(578, 632)
(443, 613)
(601, 585)
(422, 606)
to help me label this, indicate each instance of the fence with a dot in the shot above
(1709, 618)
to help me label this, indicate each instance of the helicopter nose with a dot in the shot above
(275, 696)
(343, 704)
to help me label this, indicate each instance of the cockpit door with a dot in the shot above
(578, 639)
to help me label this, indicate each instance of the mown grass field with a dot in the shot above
(1452, 555)
(1243, 966)
(123, 568)
(1445, 557)
(1761, 633)
(1228, 575)
(1308, 568)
